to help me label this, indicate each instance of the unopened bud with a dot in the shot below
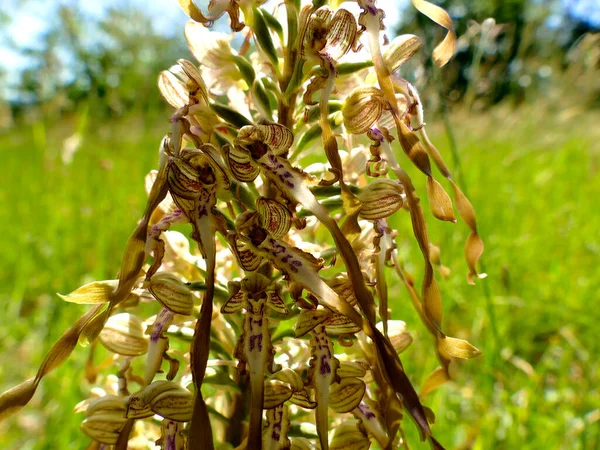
(399, 337)
(276, 393)
(380, 199)
(347, 435)
(400, 50)
(172, 293)
(346, 395)
(362, 108)
(124, 334)
(104, 426)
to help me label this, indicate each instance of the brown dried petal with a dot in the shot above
(435, 379)
(439, 201)
(445, 49)
(474, 245)
(457, 348)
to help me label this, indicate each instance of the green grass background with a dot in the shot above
(533, 178)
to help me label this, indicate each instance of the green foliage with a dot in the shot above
(534, 193)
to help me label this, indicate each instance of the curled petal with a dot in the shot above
(216, 9)
(445, 49)
(278, 137)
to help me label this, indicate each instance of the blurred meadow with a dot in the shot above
(517, 117)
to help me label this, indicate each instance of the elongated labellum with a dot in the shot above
(275, 433)
(323, 367)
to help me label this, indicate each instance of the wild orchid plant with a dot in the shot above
(289, 341)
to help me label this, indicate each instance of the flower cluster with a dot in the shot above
(277, 330)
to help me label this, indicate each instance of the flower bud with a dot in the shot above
(276, 393)
(172, 293)
(380, 199)
(174, 404)
(105, 404)
(346, 395)
(124, 334)
(399, 337)
(347, 435)
(400, 50)
(362, 108)
(104, 426)
(351, 369)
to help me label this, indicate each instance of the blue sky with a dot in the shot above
(30, 19)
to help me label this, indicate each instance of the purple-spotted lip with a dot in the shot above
(377, 134)
(163, 318)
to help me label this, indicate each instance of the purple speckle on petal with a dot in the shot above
(325, 367)
(377, 134)
(364, 409)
